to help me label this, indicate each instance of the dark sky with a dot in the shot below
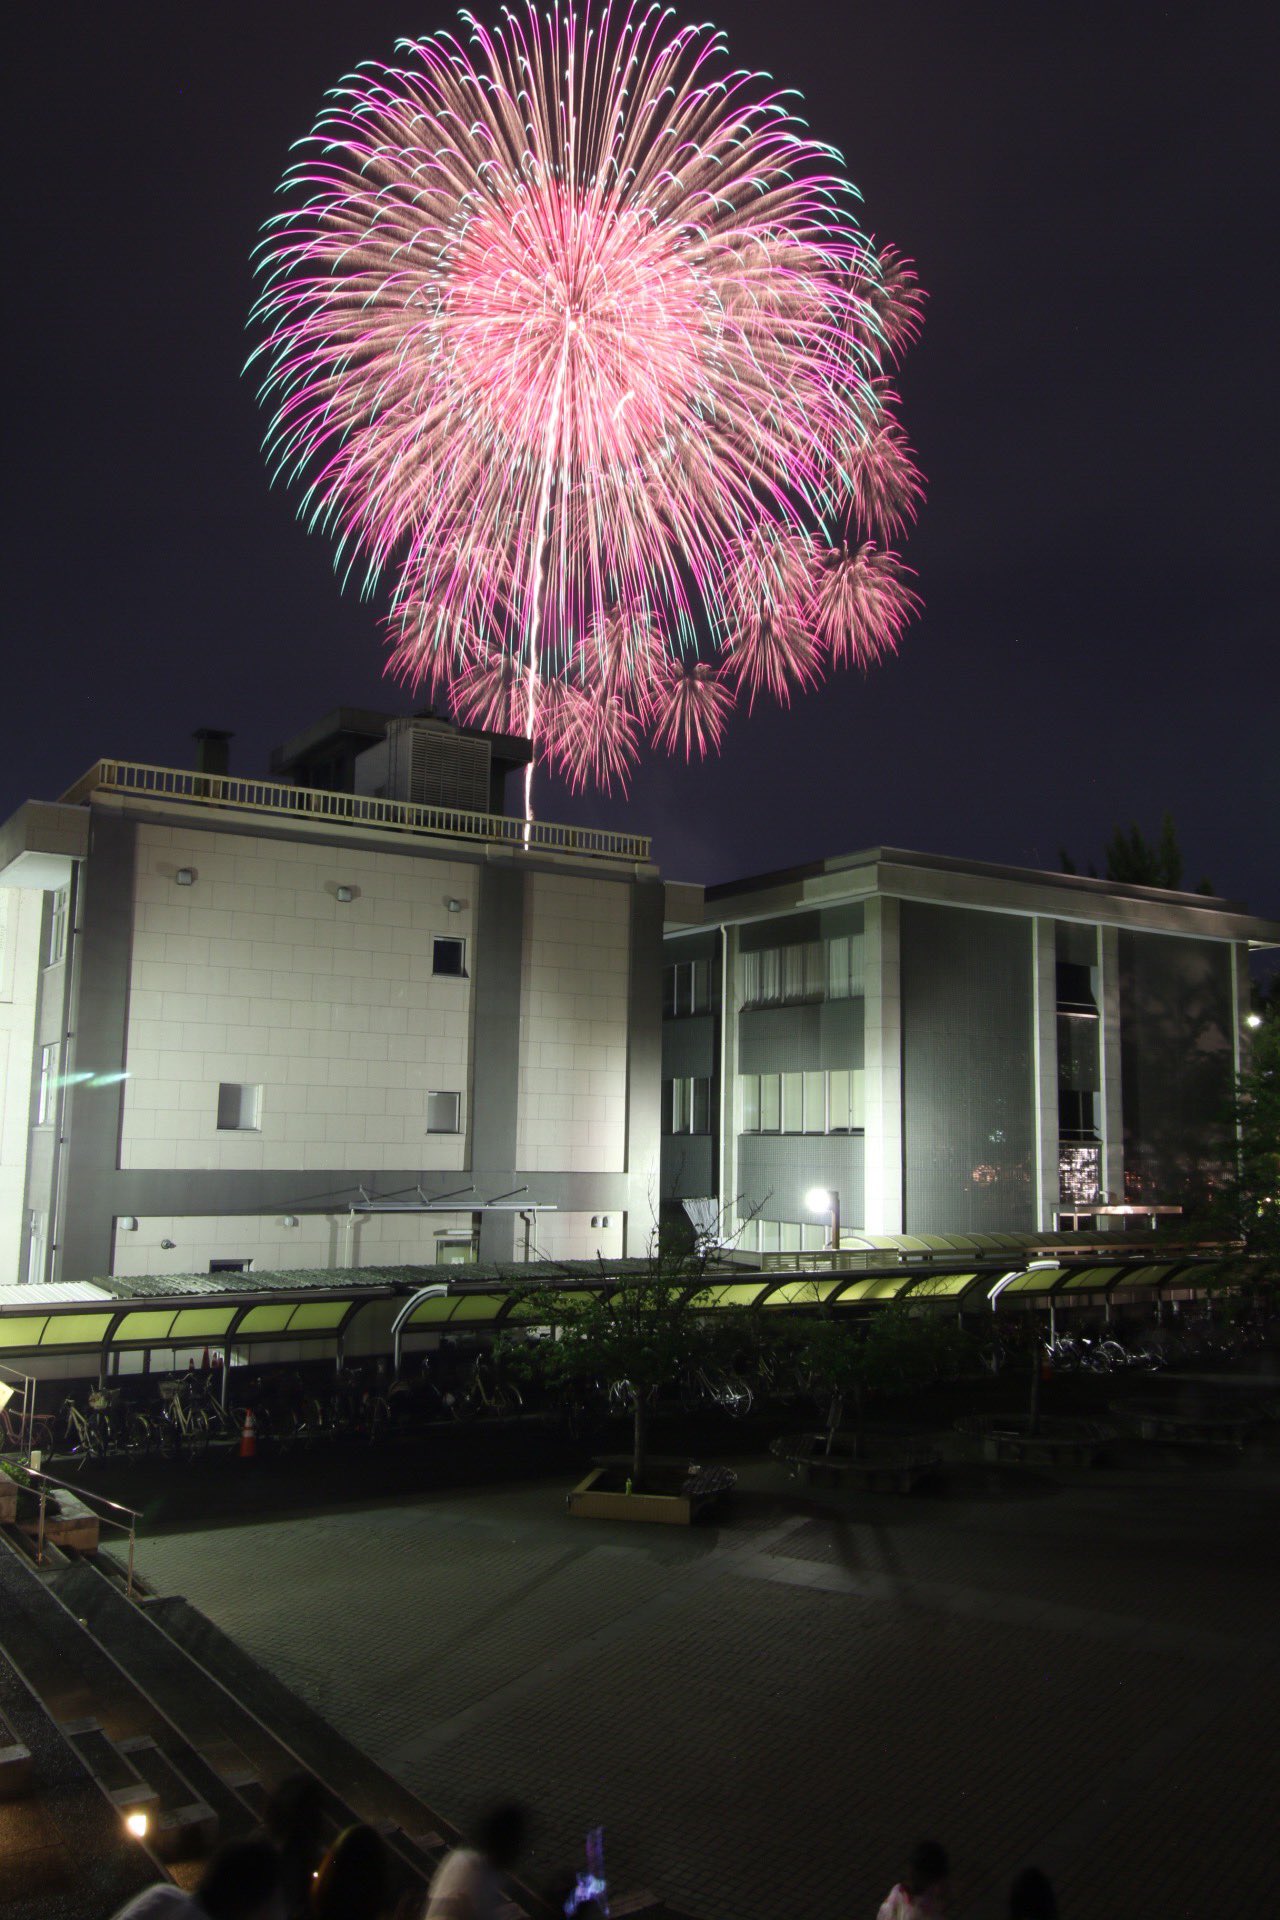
(1090, 195)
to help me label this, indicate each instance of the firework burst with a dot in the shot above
(571, 329)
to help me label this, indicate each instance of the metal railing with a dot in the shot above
(86, 1497)
(25, 1395)
(352, 809)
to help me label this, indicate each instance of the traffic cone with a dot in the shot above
(248, 1435)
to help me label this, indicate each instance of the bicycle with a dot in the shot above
(716, 1387)
(83, 1434)
(37, 1439)
(221, 1421)
(487, 1392)
(185, 1424)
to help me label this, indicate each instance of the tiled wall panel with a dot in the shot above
(257, 973)
(573, 1025)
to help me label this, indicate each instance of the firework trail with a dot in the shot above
(571, 329)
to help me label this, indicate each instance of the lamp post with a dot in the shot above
(826, 1201)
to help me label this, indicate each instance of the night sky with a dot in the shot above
(1090, 195)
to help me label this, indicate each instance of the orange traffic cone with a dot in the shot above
(248, 1435)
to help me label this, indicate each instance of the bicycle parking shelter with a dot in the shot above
(121, 1326)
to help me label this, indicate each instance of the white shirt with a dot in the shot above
(161, 1902)
(465, 1887)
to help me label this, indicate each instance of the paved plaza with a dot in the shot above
(1083, 1672)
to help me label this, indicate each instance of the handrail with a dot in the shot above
(27, 1419)
(318, 803)
(85, 1494)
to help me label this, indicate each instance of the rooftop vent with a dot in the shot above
(213, 750)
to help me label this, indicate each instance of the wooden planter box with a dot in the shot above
(70, 1524)
(600, 1497)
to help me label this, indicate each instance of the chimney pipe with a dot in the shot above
(213, 753)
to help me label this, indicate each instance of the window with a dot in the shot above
(230, 1266)
(36, 1247)
(686, 1106)
(57, 927)
(1079, 1174)
(686, 988)
(845, 967)
(239, 1107)
(770, 1103)
(48, 1082)
(812, 1102)
(1077, 1114)
(807, 971)
(448, 957)
(442, 1112)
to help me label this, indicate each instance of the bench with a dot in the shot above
(1059, 1440)
(886, 1467)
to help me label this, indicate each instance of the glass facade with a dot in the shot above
(967, 1094)
(1176, 1061)
(1079, 1047)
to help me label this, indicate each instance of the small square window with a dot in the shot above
(239, 1107)
(448, 957)
(442, 1112)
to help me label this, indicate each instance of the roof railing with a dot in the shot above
(182, 784)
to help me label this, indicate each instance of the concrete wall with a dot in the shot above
(21, 912)
(319, 1241)
(258, 974)
(571, 1236)
(574, 996)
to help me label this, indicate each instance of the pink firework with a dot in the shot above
(770, 645)
(694, 712)
(563, 323)
(862, 604)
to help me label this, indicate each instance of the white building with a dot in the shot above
(352, 1016)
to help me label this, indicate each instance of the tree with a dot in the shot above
(1247, 1204)
(891, 1350)
(1133, 860)
(636, 1332)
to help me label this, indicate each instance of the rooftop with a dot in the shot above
(318, 806)
(900, 872)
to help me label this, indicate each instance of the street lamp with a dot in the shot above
(826, 1200)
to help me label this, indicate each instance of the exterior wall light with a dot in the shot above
(345, 894)
(826, 1200)
(185, 877)
(168, 1245)
(1253, 1019)
(127, 1223)
(454, 906)
(290, 1220)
